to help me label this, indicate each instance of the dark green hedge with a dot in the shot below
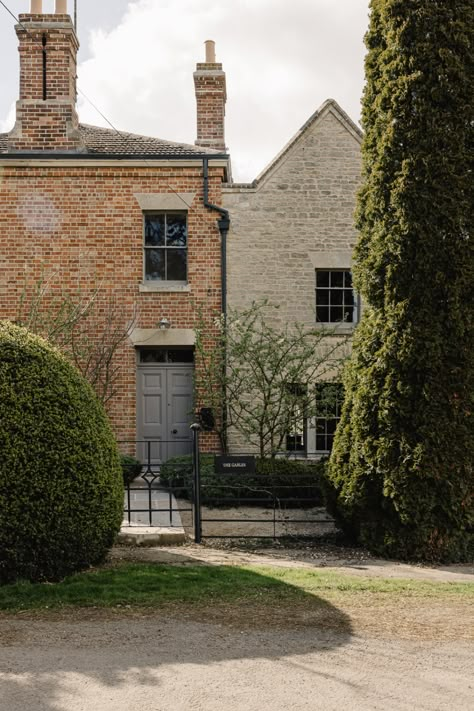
(283, 478)
(131, 468)
(61, 487)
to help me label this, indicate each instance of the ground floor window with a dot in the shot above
(296, 438)
(329, 399)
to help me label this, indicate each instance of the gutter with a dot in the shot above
(223, 223)
(56, 155)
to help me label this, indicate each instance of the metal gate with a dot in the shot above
(269, 495)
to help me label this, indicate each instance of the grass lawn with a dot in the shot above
(157, 586)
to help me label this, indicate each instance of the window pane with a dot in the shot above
(152, 355)
(320, 426)
(328, 395)
(349, 314)
(180, 356)
(297, 389)
(295, 443)
(176, 231)
(337, 297)
(321, 443)
(322, 297)
(176, 264)
(335, 314)
(348, 279)
(337, 279)
(154, 230)
(154, 264)
(322, 278)
(322, 314)
(348, 297)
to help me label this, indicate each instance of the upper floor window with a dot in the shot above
(166, 242)
(335, 298)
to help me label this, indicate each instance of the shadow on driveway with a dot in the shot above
(62, 659)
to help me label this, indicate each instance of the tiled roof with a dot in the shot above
(107, 142)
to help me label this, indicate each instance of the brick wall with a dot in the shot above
(84, 224)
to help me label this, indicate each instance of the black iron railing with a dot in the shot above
(149, 499)
(281, 497)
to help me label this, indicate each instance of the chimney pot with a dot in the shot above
(210, 51)
(36, 7)
(61, 7)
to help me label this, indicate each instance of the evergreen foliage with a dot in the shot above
(61, 486)
(403, 457)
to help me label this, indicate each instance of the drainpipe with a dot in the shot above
(223, 223)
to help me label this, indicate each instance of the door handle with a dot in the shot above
(174, 431)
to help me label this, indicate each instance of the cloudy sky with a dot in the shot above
(282, 59)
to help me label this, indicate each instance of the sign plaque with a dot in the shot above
(234, 465)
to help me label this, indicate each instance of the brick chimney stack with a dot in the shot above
(211, 95)
(46, 116)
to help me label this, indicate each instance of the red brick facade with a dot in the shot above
(70, 208)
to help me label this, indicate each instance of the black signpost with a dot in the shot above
(196, 428)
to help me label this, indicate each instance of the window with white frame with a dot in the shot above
(336, 301)
(166, 247)
(329, 399)
(296, 436)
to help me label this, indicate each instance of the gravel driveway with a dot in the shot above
(396, 657)
(156, 663)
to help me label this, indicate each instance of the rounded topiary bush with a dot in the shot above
(61, 485)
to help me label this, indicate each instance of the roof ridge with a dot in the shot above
(325, 106)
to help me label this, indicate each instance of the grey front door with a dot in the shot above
(164, 411)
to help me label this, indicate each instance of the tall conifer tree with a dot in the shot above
(403, 458)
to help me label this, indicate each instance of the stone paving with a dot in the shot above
(150, 506)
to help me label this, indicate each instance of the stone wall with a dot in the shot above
(300, 210)
(297, 216)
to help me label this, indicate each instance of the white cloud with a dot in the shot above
(282, 60)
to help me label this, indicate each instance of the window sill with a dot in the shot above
(303, 456)
(335, 329)
(173, 287)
